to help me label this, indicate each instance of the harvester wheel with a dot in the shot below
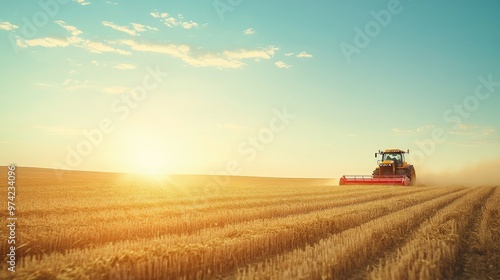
(411, 174)
(401, 172)
(376, 172)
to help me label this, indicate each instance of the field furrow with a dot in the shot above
(483, 247)
(192, 202)
(99, 228)
(341, 254)
(433, 250)
(217, 251)
(117, 226)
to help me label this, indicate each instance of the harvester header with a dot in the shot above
(392, 169)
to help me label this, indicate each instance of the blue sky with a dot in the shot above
(287, 88)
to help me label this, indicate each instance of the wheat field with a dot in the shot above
(118, 226)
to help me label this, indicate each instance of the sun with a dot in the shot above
(149, 157)
(148, 161)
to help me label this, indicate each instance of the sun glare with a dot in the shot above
(150, 162)
(149, 158)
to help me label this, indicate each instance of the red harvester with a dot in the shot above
(391, 170)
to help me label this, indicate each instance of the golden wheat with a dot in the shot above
(433, 250)
(118, 227)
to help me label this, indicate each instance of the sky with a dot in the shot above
(260, 88)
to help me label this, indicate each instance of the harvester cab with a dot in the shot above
(391, 170)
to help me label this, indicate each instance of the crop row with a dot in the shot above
(61, 232)
(222, 250)
(433, 250)
(342, 254)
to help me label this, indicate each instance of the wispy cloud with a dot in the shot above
(462, 129)
(172, 21)
(228, 59)
(249, 31)
(73, 30)
(142, 27)
(133, 31)
(171, 49)
(121, 66)
(120, 28)
(71, 84)
(158, 15)
(124, 66)
(82, 2)
(469, 129)
(281, 64)
(211, 60)
(97, 47)
(189, 25)
(45, 42)
(265, 53)
(73, 40)
(196, 57)
(417, 130)
(96, 63)
(289, 54)
(7, 26)
(304, 55)
(473, 135)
